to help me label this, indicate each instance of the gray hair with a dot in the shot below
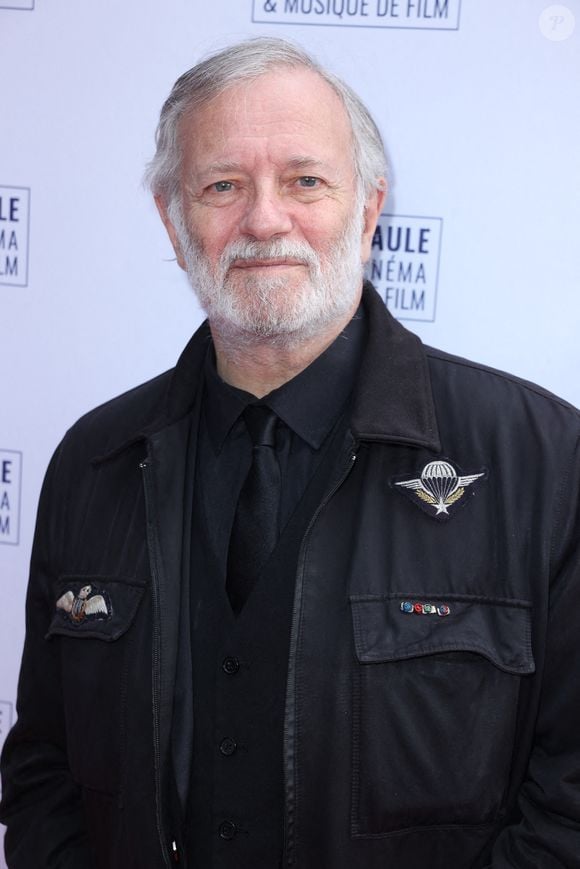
(242, 62)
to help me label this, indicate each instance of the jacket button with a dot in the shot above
(230, 665)
(227, 830)
(228, 746)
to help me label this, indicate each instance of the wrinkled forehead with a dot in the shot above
(292, 104)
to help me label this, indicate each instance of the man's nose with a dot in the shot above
(266, 216)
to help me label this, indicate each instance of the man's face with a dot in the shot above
(269, 227)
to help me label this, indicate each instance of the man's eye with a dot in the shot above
(222, 186)
(308, 181)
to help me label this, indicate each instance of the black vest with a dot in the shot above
(236, 807)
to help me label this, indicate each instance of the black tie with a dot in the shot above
(255, 527)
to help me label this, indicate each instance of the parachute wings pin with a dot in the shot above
(439, 487)
(81, 605)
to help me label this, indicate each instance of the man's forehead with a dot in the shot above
(295, 109)
(273, 93)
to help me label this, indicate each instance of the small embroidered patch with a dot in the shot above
(84, 605)
(438, 488)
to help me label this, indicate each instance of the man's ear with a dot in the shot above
(372, 212)
(163, 210)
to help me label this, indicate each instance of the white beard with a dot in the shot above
(260, 307)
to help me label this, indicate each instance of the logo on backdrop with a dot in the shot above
(17, 4)
(10, 486)
(404, 264)
(409, 14)
(14, 233)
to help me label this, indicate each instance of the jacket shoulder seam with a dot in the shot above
(528, 385)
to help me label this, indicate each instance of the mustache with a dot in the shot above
(277, 248)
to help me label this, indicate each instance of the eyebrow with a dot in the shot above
(224, 167)
(301, 162)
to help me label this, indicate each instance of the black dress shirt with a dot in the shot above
(308, 407)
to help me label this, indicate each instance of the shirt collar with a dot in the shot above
(309, 404)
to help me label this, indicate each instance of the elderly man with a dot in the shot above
(311, 598)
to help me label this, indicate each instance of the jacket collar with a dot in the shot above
(392, 397)
(174, 402)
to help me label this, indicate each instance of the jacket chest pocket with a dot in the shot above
(93, 623)
(436, 690)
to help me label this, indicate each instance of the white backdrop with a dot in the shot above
(478, 102)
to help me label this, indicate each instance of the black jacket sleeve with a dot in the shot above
(41, 804)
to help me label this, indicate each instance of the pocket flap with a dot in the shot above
(99, 607)
(395, 627)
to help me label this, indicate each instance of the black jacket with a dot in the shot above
(433, 680)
